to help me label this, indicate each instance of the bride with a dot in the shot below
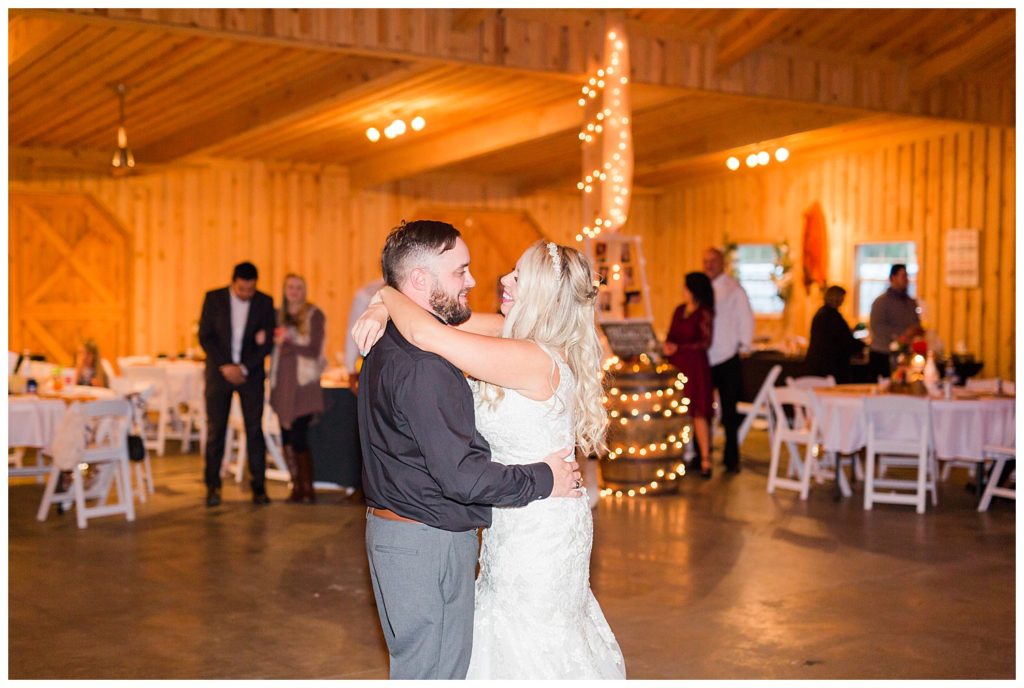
(537, 388)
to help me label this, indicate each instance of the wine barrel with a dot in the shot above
(649, 427)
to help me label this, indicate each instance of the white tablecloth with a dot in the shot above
(32, 422)
(184, 380)
(960, 427)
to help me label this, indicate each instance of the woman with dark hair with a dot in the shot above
(686, 347)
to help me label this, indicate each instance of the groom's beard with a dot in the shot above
(448, 307)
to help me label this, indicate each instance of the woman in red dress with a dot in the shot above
(687, 349)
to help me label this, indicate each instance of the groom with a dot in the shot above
(427, 474)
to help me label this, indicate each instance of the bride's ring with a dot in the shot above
(578, 483)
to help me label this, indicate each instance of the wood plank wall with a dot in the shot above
(191, 224)
(904, 188)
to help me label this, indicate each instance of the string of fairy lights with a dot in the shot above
(607, 142)
(664, 403)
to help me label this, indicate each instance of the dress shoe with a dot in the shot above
(734, 468)
(260, 497)
(705, 473)
(213, 496)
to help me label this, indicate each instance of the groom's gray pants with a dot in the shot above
(423, 581)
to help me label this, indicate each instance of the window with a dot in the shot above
(753, 266)
(871, 272)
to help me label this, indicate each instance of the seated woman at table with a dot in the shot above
(88, 369)
(686, 346)
(832, 344)
(295, 393)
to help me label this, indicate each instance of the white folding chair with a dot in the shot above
(802, 429)
(899, 426)
(758, 411)
(108, 369)
(155, 437)
(808, 382)
(194, 420)
(999, 456)
(235, 456)
(107, 451)
(12, 362)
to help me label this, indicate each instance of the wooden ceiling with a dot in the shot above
(303, 85)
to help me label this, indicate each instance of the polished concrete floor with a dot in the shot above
(720, 581)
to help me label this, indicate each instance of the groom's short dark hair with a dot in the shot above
(411, 240)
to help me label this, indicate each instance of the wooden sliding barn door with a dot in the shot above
(69, 276)
(496, 239)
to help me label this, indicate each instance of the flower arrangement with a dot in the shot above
(782, 274)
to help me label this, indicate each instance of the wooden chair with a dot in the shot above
(1000, 456)
(913, 418)
(107, 451)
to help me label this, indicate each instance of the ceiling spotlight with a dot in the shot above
(373, 134)
(782, 154)
(733, 163)
(390, 131)
(751, 159)
(763, 158)
(399, 126)
(418, 123)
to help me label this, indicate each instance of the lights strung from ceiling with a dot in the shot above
(607, 142)
(758, 158)
(396, 128)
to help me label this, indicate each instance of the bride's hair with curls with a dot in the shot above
(555, 307)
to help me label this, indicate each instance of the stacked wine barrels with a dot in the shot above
(649, 428)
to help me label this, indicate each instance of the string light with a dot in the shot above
(759, 158)
(605, 206)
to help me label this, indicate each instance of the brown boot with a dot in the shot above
(305, 462)
(291, 461)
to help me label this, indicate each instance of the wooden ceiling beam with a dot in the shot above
(734, 45)
(396, 162)
(287, 103)
(467, 20)
(950, 62)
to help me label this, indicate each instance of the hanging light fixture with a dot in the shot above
(123, 158)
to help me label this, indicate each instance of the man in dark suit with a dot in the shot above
(236, 331)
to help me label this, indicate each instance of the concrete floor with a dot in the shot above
(721, 581)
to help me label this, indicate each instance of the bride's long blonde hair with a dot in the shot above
(555, 307)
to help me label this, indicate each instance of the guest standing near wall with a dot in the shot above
(733, 332)
(687, 348)
(295, 369)
(893, 315)
(236, 332)
(832, 343)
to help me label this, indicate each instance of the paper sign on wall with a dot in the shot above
(962, 258)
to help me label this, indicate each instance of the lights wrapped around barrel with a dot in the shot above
(649, 427)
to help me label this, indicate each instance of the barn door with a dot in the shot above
(69, 276)
(496, 239)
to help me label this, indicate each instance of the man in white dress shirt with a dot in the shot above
(732, 333)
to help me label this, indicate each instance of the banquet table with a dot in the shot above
(961, 426)
(184, 378)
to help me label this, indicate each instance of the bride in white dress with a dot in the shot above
(537, 388)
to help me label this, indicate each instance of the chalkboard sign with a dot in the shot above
(629, 339)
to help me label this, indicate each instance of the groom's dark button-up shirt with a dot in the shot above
(422, 455)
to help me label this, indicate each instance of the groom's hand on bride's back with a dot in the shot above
(566, 472)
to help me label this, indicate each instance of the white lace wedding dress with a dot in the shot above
(536, 617)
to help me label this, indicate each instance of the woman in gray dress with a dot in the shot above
(295, 393)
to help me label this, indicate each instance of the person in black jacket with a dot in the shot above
(832, 344)
(236, 330)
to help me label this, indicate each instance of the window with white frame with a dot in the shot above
(871, 272)
(753, 267)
